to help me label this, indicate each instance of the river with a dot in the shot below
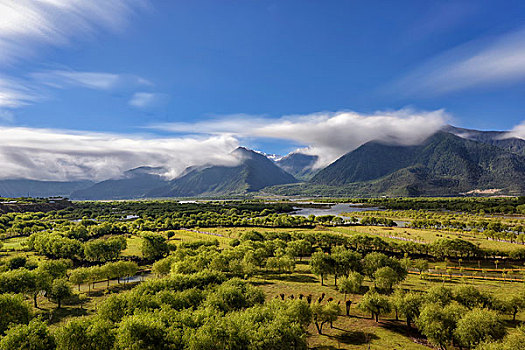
(339, 209)
(336, 209)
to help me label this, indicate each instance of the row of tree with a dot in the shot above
(463, 316)
(197, 311)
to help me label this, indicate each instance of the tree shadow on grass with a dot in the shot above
(355, 337)
(291, 277)
(401, 328)
(57, 315)
(261, 283)
(115, 288)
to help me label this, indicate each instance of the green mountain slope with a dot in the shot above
(254, 172)
(136, 183)
(444, 165)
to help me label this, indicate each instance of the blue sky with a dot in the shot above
(254, 73)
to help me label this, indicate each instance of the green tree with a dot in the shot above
(344, 261)
(374, 261)
(42, 284)
(154, 246)
(516, 303)
(142, 332)
(351, 284)
(479, 325)
(13, 310)
(85, 334)
(385, 278)
(16, 262)
(410, 305)
(299, 248)
(235, 294)
(104, 249)
(162, 267)
(374, 303)
(17, 281)
(421, 265)
(55, 268)
(113, 308)
(33, 336)
(324, 313)
(439, 295)
(438, 323)
(396, 301)
(124, 269)
(320, 263)
(60, 289)
(79, 276)
(471, 297)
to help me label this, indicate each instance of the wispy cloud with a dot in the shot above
(25, 24)
(327, 135)
(19, 92)
(144, 99)
(477, 64)
(15, 93)
(91, 80)
(46, 154)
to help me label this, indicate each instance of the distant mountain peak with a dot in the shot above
(299, 164)
(494, 138)
(244, 152)
(254, 172)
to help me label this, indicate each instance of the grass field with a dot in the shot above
(134, 247)
(358, 330)
(427, 236)
(14, 243)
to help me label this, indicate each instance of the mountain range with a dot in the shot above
(453, 161)
(445, 164)
(253, 173)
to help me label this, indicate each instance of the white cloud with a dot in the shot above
(25, 24)
(46, 154)
(143, 99)
(327, 135)
(476, 64)
(518, 131)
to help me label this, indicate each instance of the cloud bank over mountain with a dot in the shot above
(326, 135)
(518, 131)
(49, 154)
(44, 154)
